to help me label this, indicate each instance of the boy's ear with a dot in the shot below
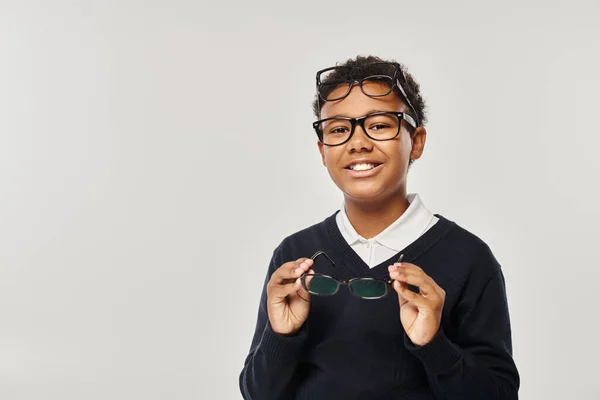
(419, 138)
(321, 150)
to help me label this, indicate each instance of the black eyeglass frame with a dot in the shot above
(361, 122)
(396, 81)
(388, 282)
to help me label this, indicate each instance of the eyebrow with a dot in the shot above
(367, 113)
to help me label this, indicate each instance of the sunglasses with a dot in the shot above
(364, 288)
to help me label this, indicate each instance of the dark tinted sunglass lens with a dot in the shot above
(320, 285)
(377, 85)
(368, 288)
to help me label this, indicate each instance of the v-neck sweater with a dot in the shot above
(351, 348)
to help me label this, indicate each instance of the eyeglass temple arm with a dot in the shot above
(399, 260)
(319, 253)
(322, 253)
(399, 84)
(411, 121)
(412, 288)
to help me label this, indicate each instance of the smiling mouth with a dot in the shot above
(362, 167)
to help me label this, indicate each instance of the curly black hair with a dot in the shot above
(358, 68)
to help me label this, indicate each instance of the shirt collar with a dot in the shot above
(400, 233)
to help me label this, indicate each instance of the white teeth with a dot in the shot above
(362, 167)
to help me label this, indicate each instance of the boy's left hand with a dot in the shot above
(420, 313)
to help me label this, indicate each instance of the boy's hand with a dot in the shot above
(287, 301)
(420, 313)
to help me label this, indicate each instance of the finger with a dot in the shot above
(301, 266)
(406, 295)
(289, 272)
(300, 289)
(307, 278)
(409, 269)
(281, 290)
(283, 282)
(398, 288)
(409, 276)
(415, 276)
(301, 261)
(408, 266)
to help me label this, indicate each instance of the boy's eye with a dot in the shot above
(378, 127)
(338, 129)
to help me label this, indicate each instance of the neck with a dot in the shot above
(370, 219)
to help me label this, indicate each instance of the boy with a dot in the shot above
(395, 302)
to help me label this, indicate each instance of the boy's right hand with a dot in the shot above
(288, 302)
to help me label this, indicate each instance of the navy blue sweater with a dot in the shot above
(351, 348)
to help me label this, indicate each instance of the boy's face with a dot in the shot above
(389, 178)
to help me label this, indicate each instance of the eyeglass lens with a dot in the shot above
(378, 127)
(373, 86)
(321, 285)
(368, 288)
(324, 286)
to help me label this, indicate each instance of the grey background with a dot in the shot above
(153, 153)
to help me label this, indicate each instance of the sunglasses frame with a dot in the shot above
(348, 282)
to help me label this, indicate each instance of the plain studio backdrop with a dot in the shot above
(154, 153)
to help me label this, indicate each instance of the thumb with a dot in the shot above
(398, 287)
(300, 287)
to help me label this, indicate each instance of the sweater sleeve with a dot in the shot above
(478, 364)
(271, 368)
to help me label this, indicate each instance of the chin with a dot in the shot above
(363, 194)
(370, 191)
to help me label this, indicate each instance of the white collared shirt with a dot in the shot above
(415, 221)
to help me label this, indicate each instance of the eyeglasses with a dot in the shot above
(364, 288)
(383, 125)
(388, 76)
